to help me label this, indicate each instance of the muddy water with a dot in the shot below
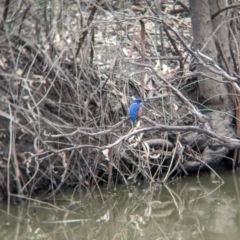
(188, 209)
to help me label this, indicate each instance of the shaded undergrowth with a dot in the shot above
(68, 73)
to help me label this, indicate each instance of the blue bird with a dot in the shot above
(135, 109)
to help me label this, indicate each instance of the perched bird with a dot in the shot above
(135, 109)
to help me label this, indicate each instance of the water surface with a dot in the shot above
(190, 208)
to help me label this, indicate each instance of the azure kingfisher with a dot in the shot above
(135, 109)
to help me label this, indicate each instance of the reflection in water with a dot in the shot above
(185, 210)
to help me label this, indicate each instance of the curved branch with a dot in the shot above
(225, 8)
(224, 141)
